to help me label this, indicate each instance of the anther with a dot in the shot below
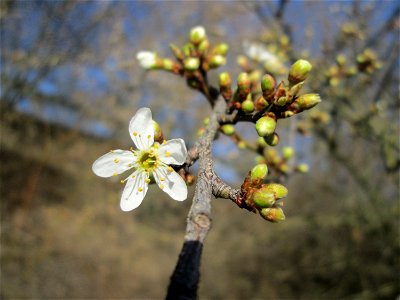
(170, 169)
(161, 186)
(167, 153)
(116, 160)
(147, 180)
(134, 133)
(140, 189)
(149, 136)
(162, 179)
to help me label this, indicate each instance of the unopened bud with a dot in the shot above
(307, 101)
(299, 71)
(243, 81)
(272, 139)
(261, 103)
(265, 126)
(248, 106)
(187, 49)
(197, 34)
(191, 63)
(263, 199)
(288, 152)
(261, 142)
(216, 61)
(302, 168)
(224, 80)
(273, 214)
(228, 129)
(242, 61)
(282, 101)
(260, 171)
(221, 49)
(147, 59)
(203, 47)
(279, 190)
(158, 134)
(267, 84)
(167, 64)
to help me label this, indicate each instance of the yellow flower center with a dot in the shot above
(148, 159)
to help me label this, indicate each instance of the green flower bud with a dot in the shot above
(273, 214)
(267, 84)
(167, 64)
(191, 63)
(197, 35)
(221, 49)
(243, 81)
(263, 199)
(279, 190)
(216, 61)
(228, 129)
(224, 79)
(272, 139)
(299, 71)
(261, 142)
(265, 126)
(307, 101)
(288, 152)
(248, 106)
(260, 171)
(302, 168)
(203, 47)
(281, 101)
(187, 49)
(176, 51)
(158, 134)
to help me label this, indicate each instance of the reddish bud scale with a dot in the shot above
(260, 103)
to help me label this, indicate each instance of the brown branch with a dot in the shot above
(185, 278)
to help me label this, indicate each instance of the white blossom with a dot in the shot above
(147, 59)
(151, 159)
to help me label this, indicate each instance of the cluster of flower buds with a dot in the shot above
(340, 70)
(268, 101)
(279, 162)
(191, 60)
(263, 197)
(368, 61)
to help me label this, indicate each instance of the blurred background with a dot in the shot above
(70, 84)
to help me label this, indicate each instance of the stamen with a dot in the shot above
(115, 174)
(116, 160)
(131, 149)
(162, 178)
(130, 165)
(147, 180)
(170, 169)
(164, 142)
(167, 153)
(133, 176)
(134, 133)
(149, 136)
(140, 189)
(161, 186)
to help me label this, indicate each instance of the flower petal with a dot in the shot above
(113, 163)
(141, 129)
(173, 152)
(171, 183)
(134, 191)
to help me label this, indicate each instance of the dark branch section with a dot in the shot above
(186, 276)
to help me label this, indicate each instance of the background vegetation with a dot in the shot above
(70, 84)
